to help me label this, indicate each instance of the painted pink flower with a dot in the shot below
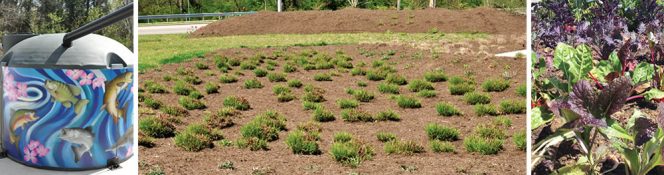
(42, 151)
(130, 151)
(29, 156)
(11, 94)
(33, 144)
(8, 81)
(86, 79)
(21, 89)
(74, 74)
(98, 82)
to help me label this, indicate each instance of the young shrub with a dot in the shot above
(211, 88)
(377, 63)
(238, 103)
(358, 71)
(484, 146)
(376, 75)
(455, 80)
(485, 109)
(182, 88)
(155, 88)
(419, 85)
(388, 115)
(347, 103)
(408, 102)
(495, 85)
(221, 119)
(155, 127)
(322, 77)
(460, 89)
(353, 115)
(252, 84)
(342, 137)
(285, 97)
(388, 88)
(396, 79)
(315, 95)
(489, 131)
(195, 95)
(521, 90)
(519, 140)
(386, 136)
(403, 147)
(152, 103)
(351, 153)
(190, 103)
(502, 121)
(260, 72)
(435, 76)
(513, 107)
(265, 126)
(363, 95)
(183, 71)
(195, 80)
(253, 143)
(442, 133)
(201, 66)
(307, 105)
(324, 65)
(302, 143)
(438, 146)
(227, 78)
(294, 83)
(427, 94)
(447, 109)
(288, 68)
(174, 110)
(323, 115)
(279, 89)
(196, 137)
(276, 77)
(247, 65)
(474, 98)
(362, 84)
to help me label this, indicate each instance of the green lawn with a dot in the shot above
(154, 50)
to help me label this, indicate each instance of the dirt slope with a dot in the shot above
(485, 20)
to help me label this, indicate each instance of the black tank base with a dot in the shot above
(113, 163)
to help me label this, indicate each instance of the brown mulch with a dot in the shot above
(485, 20)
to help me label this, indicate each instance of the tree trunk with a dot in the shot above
(279, 5)
(432, 3)
(398, 4)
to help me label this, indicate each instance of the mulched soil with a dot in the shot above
(486, 20)
(280, 160)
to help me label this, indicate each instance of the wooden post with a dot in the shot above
(279, 5)
(432, 3)
(398, 4)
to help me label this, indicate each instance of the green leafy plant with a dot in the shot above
(440, 132)
(447, 109)
(155, 127)
(474, 98)
(438, 146)
(260, 72)
(354, 115)
(485, 109)
(252, 84)
(435, 76)
(387, 115)
(347, 103)
(513, 106)
(323, 115)
(495, 85)
(460, 89)
(408, 102)
(388, 88)
(238, 103)
(227, 78)
(191, 103)
(403, 147)
(385, 136)
(419, 85)
(294, 83)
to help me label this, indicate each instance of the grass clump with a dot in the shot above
(285, 97)
(347, 103)
(513, 107)
(484, 146)
(447, 109)
(343, 137)
(358, 72)
(490, 131)
(435, 76)
(252, 84)
(521, 90)
(253, 143)
(351, 153)
(502, 121)
(201, 66)
(427, 94)
(195, 80)
(388, 88)
(460, 89)
(289, 68)
(155, 88)
(174, 110)
(155, 127)
(191, 103)
(227, 78)
(419, 85)
(195, 95)
(322, 77)
(211, 88)
(408, 102)
(362, 84)
(221, 119)
(196, 137)
(354, 115)
(182, 88)
(442, 133)
(313, 94)
(456, 80)
(265, 126)
(301, 142)
(276, 77)
(495, 85)
(280, 89)
(385, 136)
(474, 98)
(307, 105)
(376, 75)
(438, 146)
(294, 83)
(485, 109)
(403, 147)
(363, 95)
(238, 103)
(388, 115)
(260, 72)
(323, 115)
(519, 140)
(396, 79)
(152, 103)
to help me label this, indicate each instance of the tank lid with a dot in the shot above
(88, 52)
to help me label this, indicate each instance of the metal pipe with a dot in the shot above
(122, 13)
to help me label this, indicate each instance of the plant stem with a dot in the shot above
(634, 97)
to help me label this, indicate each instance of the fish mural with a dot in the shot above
(74, 119)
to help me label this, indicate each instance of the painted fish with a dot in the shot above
(113, 87)
(66, 94)
(127, 138)
(82, 137)
(20, 119)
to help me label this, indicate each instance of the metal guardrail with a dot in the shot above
(193, 15)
